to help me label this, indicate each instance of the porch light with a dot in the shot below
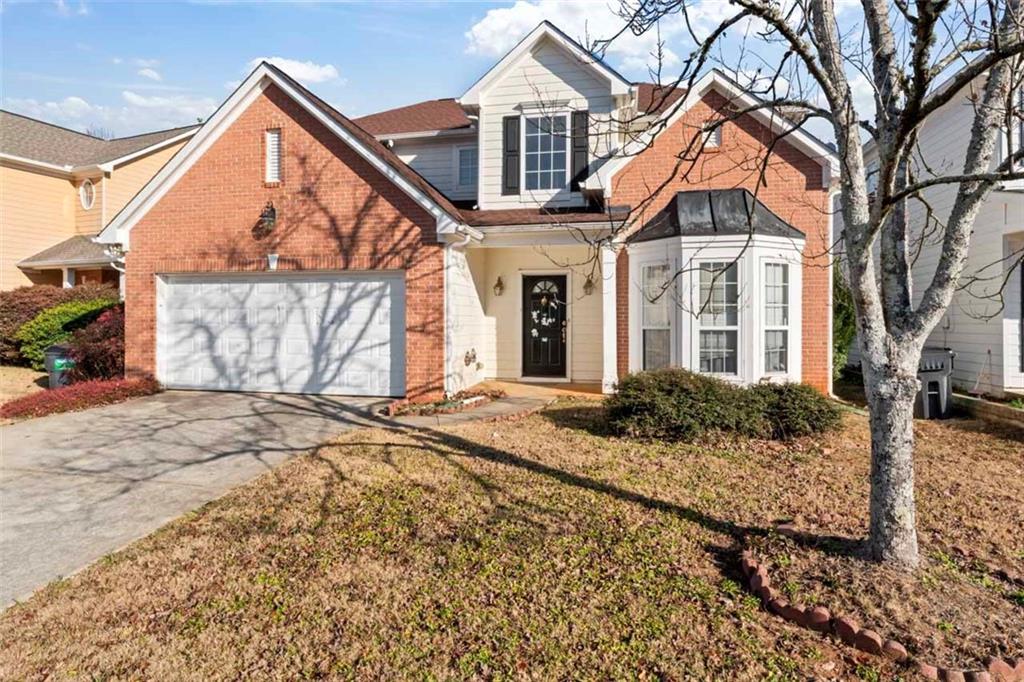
(268, 217)
(588, 286)
(499, 287)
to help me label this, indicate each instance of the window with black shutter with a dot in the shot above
(510, 155)
(580, 151)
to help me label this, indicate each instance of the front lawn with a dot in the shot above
(537, 549)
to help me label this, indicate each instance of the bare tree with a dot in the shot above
(916, 57)
(99, 131)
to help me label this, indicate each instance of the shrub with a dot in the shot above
(98, 349)
(675, 404)
(794, 410)
(20, 305)
(55, 325)
(78, 397)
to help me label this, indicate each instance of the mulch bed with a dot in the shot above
(460, 402)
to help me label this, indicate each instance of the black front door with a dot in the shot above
(544, 325)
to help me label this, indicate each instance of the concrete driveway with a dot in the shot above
(74, 487)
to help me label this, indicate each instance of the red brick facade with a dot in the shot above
(334, 212)
(792, 188)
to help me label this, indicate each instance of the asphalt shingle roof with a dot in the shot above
(77, 249)
(435, 114)
(40, 141)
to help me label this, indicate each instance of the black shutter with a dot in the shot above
(580, 137)
(510, 155)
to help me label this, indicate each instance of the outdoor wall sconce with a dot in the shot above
(268, 217)
(588, 286)
(272, 261)
(499, 287)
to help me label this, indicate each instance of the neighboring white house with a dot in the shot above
(983, 324)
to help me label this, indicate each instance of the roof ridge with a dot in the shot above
(152, 132)
(53, 125)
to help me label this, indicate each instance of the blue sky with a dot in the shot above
(131, 67)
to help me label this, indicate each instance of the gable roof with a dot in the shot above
(654, 98)
(796, 135)
(431, 116)
(264, 75)
(545, 29)
(33, 140)
(711, 213)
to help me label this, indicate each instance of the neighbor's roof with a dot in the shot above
(653, 98)
(435, 114)
(29, 138)
(709, 213)
(78, 249)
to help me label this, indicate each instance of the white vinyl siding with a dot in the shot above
(273, 156)
(544, 78)
(436, 160)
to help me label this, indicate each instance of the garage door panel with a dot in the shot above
(339, 333)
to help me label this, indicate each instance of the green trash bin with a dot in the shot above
(58, 362)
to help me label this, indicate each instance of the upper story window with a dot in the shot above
(87, 194)
(466, 173)
(273, 152)
(546, 165)
(719, 318)
(776, 317)
(871, 170)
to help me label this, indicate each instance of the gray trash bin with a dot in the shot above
(935, 399)
(58, 362)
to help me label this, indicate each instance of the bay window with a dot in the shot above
(546, 158)
(656, 327)
(776, 318)
(719, 318)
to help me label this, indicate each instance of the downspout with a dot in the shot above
(449, 349)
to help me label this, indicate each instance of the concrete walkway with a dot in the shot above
(75, 487)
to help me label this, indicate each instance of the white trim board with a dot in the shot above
(118, 230)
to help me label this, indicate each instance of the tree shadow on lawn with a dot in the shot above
(447, 445)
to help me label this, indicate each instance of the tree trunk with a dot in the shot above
(893, 532)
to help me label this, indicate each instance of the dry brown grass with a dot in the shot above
(535, 549)
(18, 381)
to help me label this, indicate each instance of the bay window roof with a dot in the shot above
(709, 213)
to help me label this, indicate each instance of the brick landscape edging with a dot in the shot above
(866, 640)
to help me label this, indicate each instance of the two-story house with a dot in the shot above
(536, 228)
(58, 188)
(984, 324)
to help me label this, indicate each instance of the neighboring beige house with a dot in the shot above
(59, 188)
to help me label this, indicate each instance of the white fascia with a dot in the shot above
(617, 84)
(118, 230)
(601, 179)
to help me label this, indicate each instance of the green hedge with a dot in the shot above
(674, 404)
(55, 325)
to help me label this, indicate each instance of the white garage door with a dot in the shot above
(339, 334)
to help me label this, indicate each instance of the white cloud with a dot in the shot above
(64, 9)
(116, 60)
(150, 74)
(135, 114)
(502, 28)
(231, 85)
(147, 63)
(305, 72)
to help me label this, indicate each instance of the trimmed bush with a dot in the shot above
(55, 325)
(794, 410)
(675, 404)
(79, 396)
(21, 305)
(98, 349)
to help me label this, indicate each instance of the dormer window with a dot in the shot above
(547, 162)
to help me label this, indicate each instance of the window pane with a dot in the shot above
(546, 160)
(656, 298)
(776, 295)
(775, 350)
(718, 354)
(657, 353)
(719, 294)
(467, 167)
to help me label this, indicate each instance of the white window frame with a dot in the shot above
(765, 326)
(540, 113)
(700, 326)
(664, 299)
(456, 165)
(87, 205)
(713, 137)
(272, 174)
